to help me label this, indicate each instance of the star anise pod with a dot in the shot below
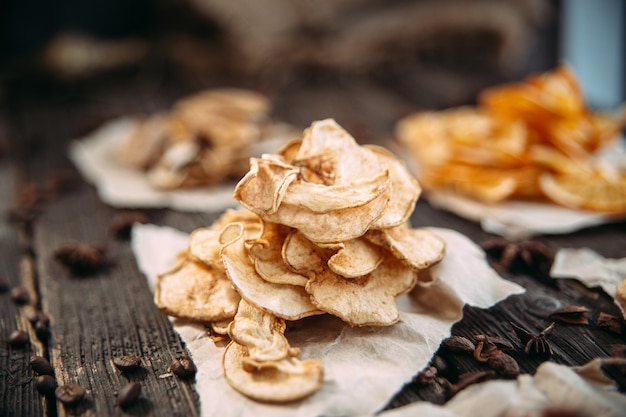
(534, 344)
(519, 255)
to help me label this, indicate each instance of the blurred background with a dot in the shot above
(428, 54)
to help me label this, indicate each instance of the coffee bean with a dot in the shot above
(122, 224)
(128, 394)
(40, 365)
(20, 295)
(45, 384)
(41, 330)
(127, 363)
(33, 315)
(69, 393)
(18, 338)
(183, 367)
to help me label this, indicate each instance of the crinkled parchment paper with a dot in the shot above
(592, 269)
(585, 391)
(363, 367)
(125, 187)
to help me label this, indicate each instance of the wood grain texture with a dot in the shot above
(109, 313)
(18, 396)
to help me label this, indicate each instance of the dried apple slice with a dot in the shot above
(196, 291)
(419, 248)
(303, 256)
(365, 301)
(290, 302)
(289, 379)
(263, 334)
(405, 190)
(267, 257)
(357, 257)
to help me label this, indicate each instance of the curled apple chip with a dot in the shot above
(266, 253)
(405, 190)
(355, 258)
(281, 381)
(262, 333)
(332, 190)
(204, 244)
(196, 291)
(303, 256)
(289, 302)
(221, 327)
(143, 147)
(364, 301)
(418, 248)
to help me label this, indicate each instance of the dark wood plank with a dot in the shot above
(108, 314)
(18, 396)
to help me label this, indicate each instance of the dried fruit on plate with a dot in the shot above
(552, 106)
(602, 192)
(535, 139)
(325, 232)
(206, 138)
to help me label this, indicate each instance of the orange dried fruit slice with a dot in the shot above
(489, 185)
(597, 192)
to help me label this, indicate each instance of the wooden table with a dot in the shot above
(111, 313)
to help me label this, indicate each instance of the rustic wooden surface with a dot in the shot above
(111, 313)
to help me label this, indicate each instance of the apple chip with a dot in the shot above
(145, 144)
(304, 256)
(263, 334)
(290, 302)
(204, 244)
(419, 248)
(405, 190)
(334, 189)
(286, 380)
(265, 185)
(196, 291)
(356, 257)
(364, 301)
(221, 327)
(334, 226)
(266, 252)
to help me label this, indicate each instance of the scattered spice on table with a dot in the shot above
(571, 314)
